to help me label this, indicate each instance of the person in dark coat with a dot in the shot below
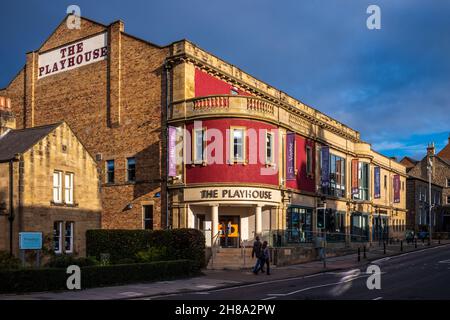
(257, 252)
(265, 257)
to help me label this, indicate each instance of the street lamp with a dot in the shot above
(430, 169)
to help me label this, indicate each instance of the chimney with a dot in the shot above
(431, 149)
(7, 118)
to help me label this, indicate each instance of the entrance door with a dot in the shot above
(229, 231)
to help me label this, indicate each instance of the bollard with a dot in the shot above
(384, 247)
(364, 256)
(415, 243)
(359, 254)
(401, 245)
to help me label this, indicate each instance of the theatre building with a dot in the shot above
(243, 157)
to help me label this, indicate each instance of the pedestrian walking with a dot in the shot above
(265, 257)
(227, 233)
(256, 253)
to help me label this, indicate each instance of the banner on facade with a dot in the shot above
(396, 188)
(172, 151)
(325, 174)
(72, 56)
(377, 181)
(355, 180)
(290, 156)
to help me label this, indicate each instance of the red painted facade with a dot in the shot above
(303, 182)
(206, 85)
(231, 173)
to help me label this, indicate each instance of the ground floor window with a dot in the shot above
(359, 226)
(63, 237)
(380, 228)
(299, 224)
(335, 225)
(57, 237)
(68, 237)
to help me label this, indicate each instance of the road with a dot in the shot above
(416, 275)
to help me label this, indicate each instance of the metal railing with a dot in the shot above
(294, 237)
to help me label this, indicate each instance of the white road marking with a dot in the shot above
(445, 261)
(315, 287)
(269, 298)
(131, 294)
(379, 298)
(205, 286)
(408, 253)
(202, 293)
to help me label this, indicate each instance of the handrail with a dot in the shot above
(214, 246)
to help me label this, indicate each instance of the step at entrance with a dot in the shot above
(231, 259)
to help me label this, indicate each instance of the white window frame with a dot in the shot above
(244, 145)
(68, 188)
(195, 134)
(270, 137)
(57, 188)
(71, 236)
(60, 224)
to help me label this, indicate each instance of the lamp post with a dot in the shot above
(429, 168)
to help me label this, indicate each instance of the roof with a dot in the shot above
(445, 153)
(19, 141)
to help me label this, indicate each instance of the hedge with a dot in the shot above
(123, 245)
(37, 280)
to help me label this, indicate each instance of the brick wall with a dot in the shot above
(115, 109)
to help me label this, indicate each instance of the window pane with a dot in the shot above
(110, 171)
(238, 145)
(199, 144)
(57, 237)
(68, 237)
(131, 169)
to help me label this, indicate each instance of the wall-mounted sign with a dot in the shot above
(325, 165)
(377, 183)
(230, 193)
(172, 151)
(72, 56)
(355, 177)
(30, 240)
(396, 188)
(290, 156)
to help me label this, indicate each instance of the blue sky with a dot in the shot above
(393, 84)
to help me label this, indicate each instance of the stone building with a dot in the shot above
(417, 195)
(126, 99)
(48, 184)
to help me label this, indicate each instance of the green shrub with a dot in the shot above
(7, 262)
(126, 244)
(153, 254)
(37, 280)
(63, 261)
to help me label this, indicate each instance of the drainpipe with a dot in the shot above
(11, 205)
(168, 89)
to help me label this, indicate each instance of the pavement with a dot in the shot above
(229, 280)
